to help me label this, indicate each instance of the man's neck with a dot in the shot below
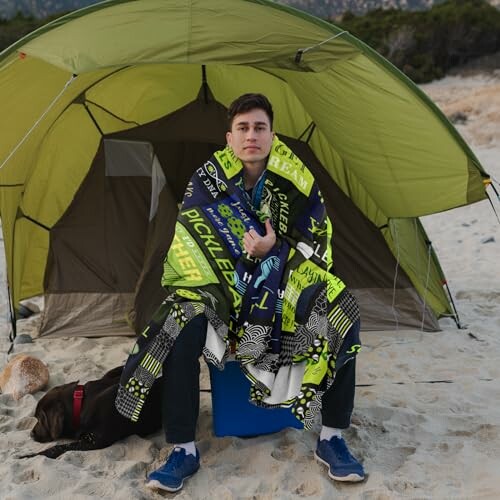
(252, 172)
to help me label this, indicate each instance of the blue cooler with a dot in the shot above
(234, 415)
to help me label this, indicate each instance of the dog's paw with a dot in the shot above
(31, 455)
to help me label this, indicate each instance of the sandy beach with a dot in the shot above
(427, 419)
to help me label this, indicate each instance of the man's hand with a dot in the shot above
(256, 245)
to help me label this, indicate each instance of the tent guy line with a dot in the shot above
(35, 125)
(301, 52)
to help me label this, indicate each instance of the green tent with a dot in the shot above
(107, 111)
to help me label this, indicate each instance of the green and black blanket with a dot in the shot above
(250, 302)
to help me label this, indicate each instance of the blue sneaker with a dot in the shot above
(342, 466)
(178, 467)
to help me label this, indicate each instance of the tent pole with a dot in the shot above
(455, 311)
(394, 311)
(94, 121)
(493, 206)
(12, 316)
(424, 298)
(445, 284)
(10, 298)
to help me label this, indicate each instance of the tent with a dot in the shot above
(107, 111)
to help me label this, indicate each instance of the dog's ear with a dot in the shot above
(55, 420)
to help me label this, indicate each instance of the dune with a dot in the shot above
(427, 418)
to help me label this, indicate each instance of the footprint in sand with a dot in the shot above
(402, 486)
(451, 448)
(308, 488)
(487, 432)
(283, 453)
(27, 476)
(395, 460)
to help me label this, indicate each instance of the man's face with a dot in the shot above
(251, 137)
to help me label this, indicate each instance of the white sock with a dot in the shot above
(189, 447)
(328, 432)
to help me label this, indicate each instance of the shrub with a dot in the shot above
(425, 45)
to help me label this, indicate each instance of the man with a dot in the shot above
(267, 289)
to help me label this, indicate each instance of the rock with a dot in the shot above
(25, 311)
(458, 118)
(23, 375)
(488, 239)
(31, 305)
(24, 338)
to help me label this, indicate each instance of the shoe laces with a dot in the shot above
(176, 458)
(340, 449)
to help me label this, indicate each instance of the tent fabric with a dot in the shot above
(363, 259)
(132, 68)
(86, 314)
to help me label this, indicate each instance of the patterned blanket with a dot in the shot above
(250, 302)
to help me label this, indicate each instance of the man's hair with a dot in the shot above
(248, 102)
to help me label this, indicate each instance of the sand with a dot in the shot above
(427, 418)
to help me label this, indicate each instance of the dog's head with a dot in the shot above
(54, 414)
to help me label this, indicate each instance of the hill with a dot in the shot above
(40, 9)
(333, 9)
(326, 9)
(426, 45)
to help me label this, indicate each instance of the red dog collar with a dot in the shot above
(78, 395)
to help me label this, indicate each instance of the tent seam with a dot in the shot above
(189, 29)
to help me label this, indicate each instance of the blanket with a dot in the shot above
(250, 303)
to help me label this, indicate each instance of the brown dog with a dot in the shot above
(100, 424)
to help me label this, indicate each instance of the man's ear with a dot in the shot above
(229, 138)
